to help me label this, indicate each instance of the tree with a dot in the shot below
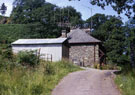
(45, 17)
(3, 9)
(118, 5)
(130, 39)
(39, 14)
(97, 20)
(29, 11)
(113, 37)
(71, 16)
(23, 10)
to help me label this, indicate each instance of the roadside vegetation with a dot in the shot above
(27, 75)
(126, 81)
(17, 77)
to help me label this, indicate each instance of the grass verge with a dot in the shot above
(40, 80)
(126, 82)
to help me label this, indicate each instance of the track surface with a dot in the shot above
(87, 82)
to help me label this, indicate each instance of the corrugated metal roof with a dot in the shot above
(80, 36)
(40, 41)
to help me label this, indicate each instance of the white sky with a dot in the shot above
(80, 6)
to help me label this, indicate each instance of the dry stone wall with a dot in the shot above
(83, 55)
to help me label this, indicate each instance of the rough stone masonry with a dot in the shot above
(84, 55)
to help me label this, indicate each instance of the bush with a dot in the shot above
(49, 68)
(37, 89)
(27, 58)
(5, 51)
(107, 67)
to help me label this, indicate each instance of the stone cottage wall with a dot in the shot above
(83, 55)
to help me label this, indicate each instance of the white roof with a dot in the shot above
(39, 41)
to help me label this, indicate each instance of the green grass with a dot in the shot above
(19, 80)
(126, 82)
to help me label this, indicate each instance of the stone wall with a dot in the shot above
(83, 55)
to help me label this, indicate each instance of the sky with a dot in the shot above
(82, 6)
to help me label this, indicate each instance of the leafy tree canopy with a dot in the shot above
(98, 19)
(45, 17)
(118, 5)
(3, 9)
(112, 34)
(29, 11)
(130, 40)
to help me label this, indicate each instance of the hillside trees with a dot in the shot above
(47, 13)
(44, 16)
(29, 11)
(130, 39)
(97, 20)
(112, 34)
(70, 15)
(39, 14)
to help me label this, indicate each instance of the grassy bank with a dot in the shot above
(16, 79)
(126, 82)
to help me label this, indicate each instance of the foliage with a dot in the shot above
(130, 26)
(70, 15)
(29, 11)
(126, 80)
(110, 67)
(12, 32)
(117, 5)
(5, 51)
(49, 68)
(112, 34)
(28, 58)
(120, 6)
(16, 79)
(97, 20)
(107, 66)
(38, 14)
(3, 9)
(44, 18)
(4, 20)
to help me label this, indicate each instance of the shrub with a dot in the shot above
(49, 68)
(27, 58)
(37, 89)
(6, 51)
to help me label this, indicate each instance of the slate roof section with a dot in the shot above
(80, 36)
(39, 41)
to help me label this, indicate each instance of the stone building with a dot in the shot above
(84, 49)
(78, 46)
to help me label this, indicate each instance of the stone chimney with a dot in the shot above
(87, 30)
(64, 34)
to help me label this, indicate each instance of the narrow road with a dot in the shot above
(87, 82)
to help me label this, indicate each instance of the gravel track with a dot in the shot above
(87, 82)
